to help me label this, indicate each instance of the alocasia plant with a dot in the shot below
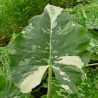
(53, 41)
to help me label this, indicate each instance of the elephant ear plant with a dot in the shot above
(52, 42)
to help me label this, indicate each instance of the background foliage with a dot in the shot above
(14, 15)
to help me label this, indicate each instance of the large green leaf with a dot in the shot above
(51, 39)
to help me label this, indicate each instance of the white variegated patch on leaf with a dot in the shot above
(66, 87)
(53, 13)
(68, 76)
(71, 60)
(33, 80)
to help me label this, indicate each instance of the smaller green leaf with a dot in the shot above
(87, 15)
(9, 90)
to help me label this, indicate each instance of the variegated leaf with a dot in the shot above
(53, 38)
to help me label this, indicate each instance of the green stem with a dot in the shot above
(93, 64)
(50, 66)
(49, 82)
